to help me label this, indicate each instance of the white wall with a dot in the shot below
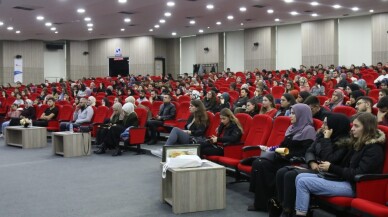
(355, 41)
(288, 46)
(54, 64)
(188, 54)
(234, 52)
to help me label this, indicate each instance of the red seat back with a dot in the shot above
(155, 107)
(100, 114)
(40, 110)
(184, 98)
(246, 122)
(215, 122)
(277, 92)
(260, 130)
(374, 94)
(279, 129)
(317, 123)
(142, 116)
(346, 110)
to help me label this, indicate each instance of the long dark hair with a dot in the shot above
(200, 115)
(369, 123)
(229, 114)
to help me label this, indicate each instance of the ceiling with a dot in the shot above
(108, 22)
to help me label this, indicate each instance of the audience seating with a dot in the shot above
(137, 134)
(99, 117)
(278, 91)
(65, 114)
(346, 110)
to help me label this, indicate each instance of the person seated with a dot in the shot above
(365, 157)
(286, 101)
(299, 136)
(252, 108)
(210, 102)
(167, 111)
(242, 100)
(49, 114)
(113, 136)
(229, 131)
(258, 95)
(116, 118)
(83, 114)
(13, 112)
(224, 101)
(142, 96)
(364, 104)
(336, 99)
(318, 111)
(194, 131)
(318, 89)
(353, 97)
(19, 101)
(382, 114)
(302, 96)
(330, 145)
(154, 96)
(268, 106)
(382, 92)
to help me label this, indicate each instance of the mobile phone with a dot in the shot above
(325, 122)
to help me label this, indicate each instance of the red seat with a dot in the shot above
(346, 110)
(155, 108)
(374, 94)
(184, 98)
(137, 134)
(65, 113)
(40, 110)
(279, 128)
(277, 91)
(99, 117)
(181, 116)
(317, 123)
(322, 99)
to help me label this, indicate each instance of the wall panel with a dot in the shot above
(379, 38)
(188, 54)
(288, 46)
(210, 41)
(173, 56)
(77, 62)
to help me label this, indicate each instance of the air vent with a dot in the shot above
(126, 12)
(258, 6)
(190, 18)
(308, 11)
(132, 25)
(345, 15)
(24, 8)
(58, 23)
(249, 19)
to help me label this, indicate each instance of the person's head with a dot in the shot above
(252, 106)
(364, 104)
(335, 74)
(154, 94)
(50, 102)
(91, 101)
(290, 85)
(197, 108)
(128, 108)
(287, 100)
(382, 93)
(166, 98)
(353, 96)
(340, 124)
(210, 95)
(29, 103)
(301, 115)
(244, 92)
(384, 84)
(364, 129)
(105, 102)
(268, 102)
(313, 103)
(18, 96)
(318, 81)
(302, 96)
(14, 107)
(258, 91)
(117, 109)
(194, 95)
(382, 105)
(227, 117)
(116, 100)
(352, 87)
(83, 103)
(361, 83)
(337, 96)
(142, 94)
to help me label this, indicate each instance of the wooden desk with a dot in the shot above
(195, 189)
(30, 137)
(71, 144)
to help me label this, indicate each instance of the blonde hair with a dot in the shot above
(229, 114)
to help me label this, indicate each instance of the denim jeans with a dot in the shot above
(177, 136)
(4, 125)
(307, 183)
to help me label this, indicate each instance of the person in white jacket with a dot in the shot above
(82, 114)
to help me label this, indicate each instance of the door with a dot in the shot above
(159, 67)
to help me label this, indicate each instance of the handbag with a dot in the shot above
(330, 176)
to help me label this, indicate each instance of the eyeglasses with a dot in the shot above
(359, 102)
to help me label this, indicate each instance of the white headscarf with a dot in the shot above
(128, 108)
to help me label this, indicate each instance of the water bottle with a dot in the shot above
(71, 128)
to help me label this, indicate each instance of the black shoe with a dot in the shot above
(117, 152)
(153, 142)
(252, 208)
(100, 151)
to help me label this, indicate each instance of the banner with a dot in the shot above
(18, 70)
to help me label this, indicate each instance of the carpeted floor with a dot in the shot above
(36, 183)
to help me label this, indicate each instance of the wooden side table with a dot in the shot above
(195, 189)
(70, 144)
(30, 137)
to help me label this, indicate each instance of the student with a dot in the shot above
(49, 114)
(268, 106)
(366, 157)
(336, 99)
(286, 101)
(82, 114)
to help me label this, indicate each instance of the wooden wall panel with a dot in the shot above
(379, 38)
(32, 53)
(77, 62)
(142, 55)
(173, 56)
(262, 56)
(221, 52)
(320, 43)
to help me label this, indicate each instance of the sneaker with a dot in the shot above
(157, 153)
(1, 135)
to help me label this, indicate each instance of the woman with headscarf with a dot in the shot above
(299, 136)
(224, 101)
(116, 117)
(342, 82)
(330, 145)
(112, 139)
(336, 99)
(92, 101)
(302, 96)
(351, 87)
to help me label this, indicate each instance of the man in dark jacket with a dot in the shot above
(167, 111)
(317, 110)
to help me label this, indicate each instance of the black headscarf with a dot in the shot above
(340, 125)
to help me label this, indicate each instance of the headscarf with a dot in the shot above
(92, 100)
(195, 95)
(226, 96)
(357, 93)
(340, 124)
(361, 83)
(303, 128)
(340, 96)
(117, 106)
(354, 86)
(29, 102)
(130, 99)
(304, 95)
(128, 108)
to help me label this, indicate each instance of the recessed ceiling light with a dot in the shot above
(208, 27)
(241, 24)
(17, 32)
(40, 18)
(53, 28)
(10, 28)
(127, 20)
(156, 26)
(314, 3)
(355, 8)
(56, 32)
(371, 11)
(90, 29)
(314, 15)
(294, 13)
(122, 30)
(151, 30)
(81, 10)
(277, 20)
(87, 19)
(174, 33)
(1, 23)
(192, 22)
(218, 23)
(288, 1)
(89, 25)
(336, 6)
(209, 6)
(243, 9)
(200, 31)
(167, 14)
(270, 11)
(122, 1)
(230, 17)
(171, 4)
(162, 21)
(48, 24)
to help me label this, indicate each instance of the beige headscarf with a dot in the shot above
(130, 99)
(117, 106)
(92, 100)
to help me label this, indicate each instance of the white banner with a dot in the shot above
(18, 70)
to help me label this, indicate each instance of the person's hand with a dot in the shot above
(222, 101)
(381, 115)
(327, 102)
(324, 166)
(327, 133)
(214, 139)
(314, 166)
(348, 102)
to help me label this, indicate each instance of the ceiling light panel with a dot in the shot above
(122, 1)
(294, 13)
(230, 17)
(355, 9)
(40, 17)
(167, 14)
(210, 6)
(288, 1)
(81, 10)
(314, 3)
(171, 4)
(87, 19)
(192, 22)
(336, 6)
(243, 9)
(270, 11)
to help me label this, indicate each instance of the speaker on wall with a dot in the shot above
(18, 56)
(85, 53)
(206, 49)
(256, 44)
